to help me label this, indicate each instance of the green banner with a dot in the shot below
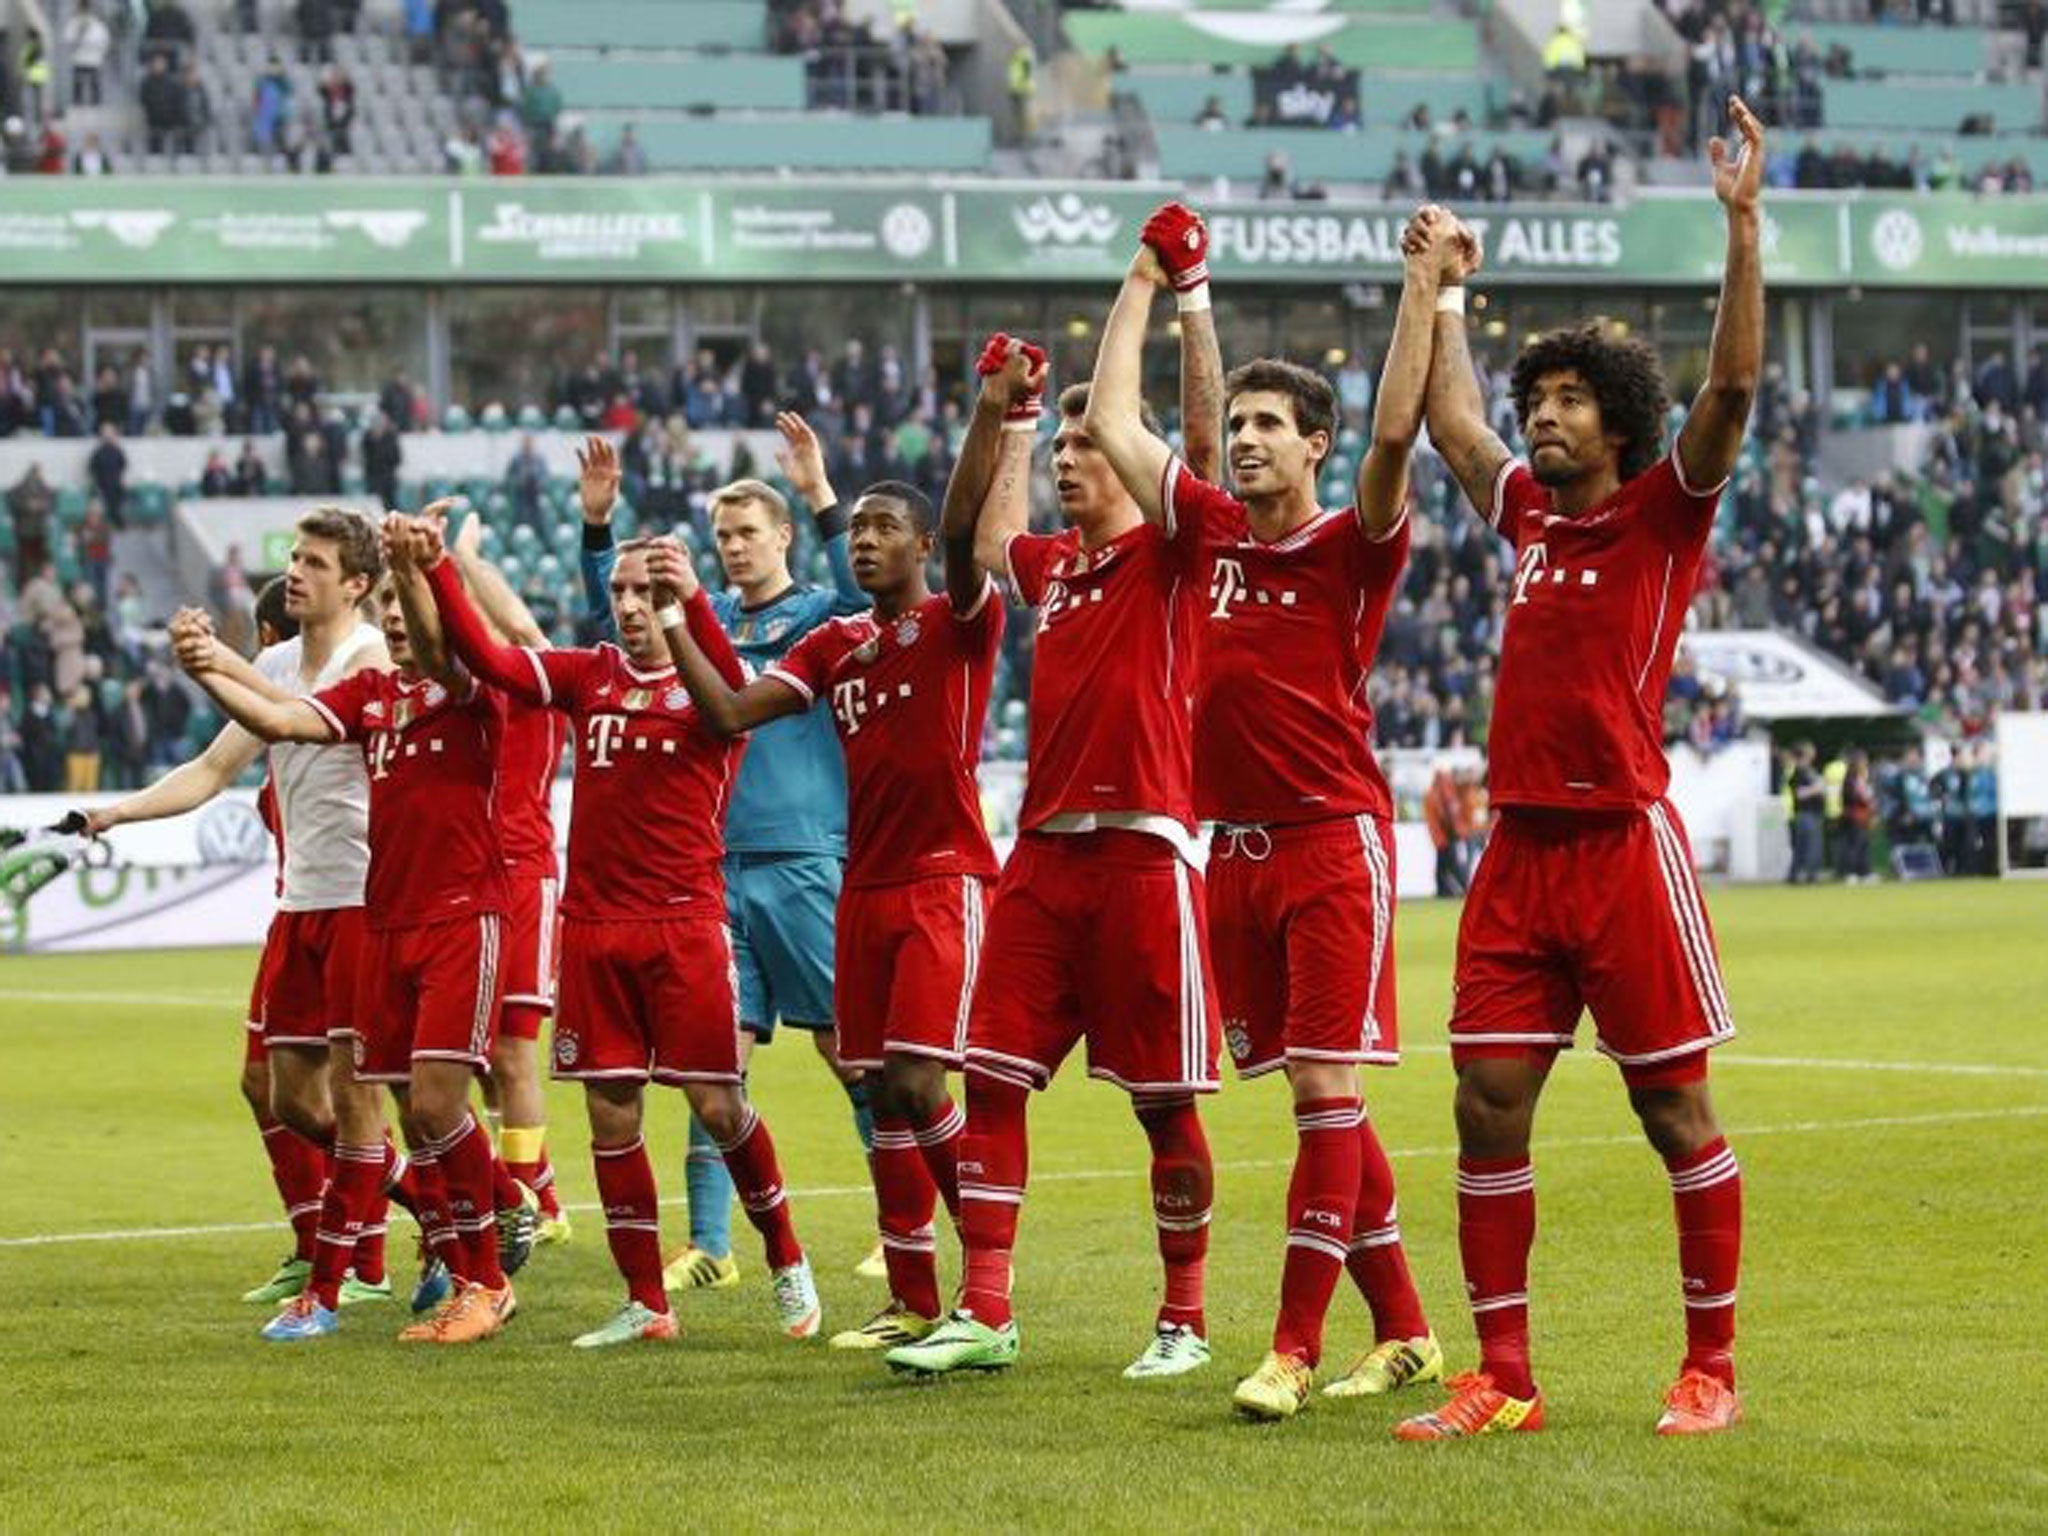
(291, 230)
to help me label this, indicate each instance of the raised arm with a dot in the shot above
(597, 488)
(186, 787)
(504, 666)
(410, 545)
(987, 498)
(1711, 439)
(1115, 422)
(266, 718)
(1404, 383)
(1453, 404)
(726, 703)
(802, 461)
(488, 588)
(1177, 236)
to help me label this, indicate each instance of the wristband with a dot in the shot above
(670, 617)
(1189, 300)
(831, 520)
(597, 537)
(1023, 416)
(1451, 300)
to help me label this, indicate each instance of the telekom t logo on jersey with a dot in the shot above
(1535, 570)
(1227, 586)
(850, 703)
(604, 733)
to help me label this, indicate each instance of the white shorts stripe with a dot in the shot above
(1682, 890)
(970, 922)
(1382, 921)
(1192, 1013)
(486, 984)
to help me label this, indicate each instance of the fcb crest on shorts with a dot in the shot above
(637, 698)
(1238, 1040)
(566, 1049)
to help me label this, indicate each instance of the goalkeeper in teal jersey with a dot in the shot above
(785, 831)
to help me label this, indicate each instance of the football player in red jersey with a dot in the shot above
(647, 976)
(427, 997)
(527, 760)
(1301, 865)
(907, 684)
(1097, 930)
(1586, 897)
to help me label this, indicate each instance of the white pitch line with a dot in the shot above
(1072, 1176)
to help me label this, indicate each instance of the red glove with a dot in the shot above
(1023, 413)
(1180, 240)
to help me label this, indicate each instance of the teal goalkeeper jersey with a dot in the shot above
(791, 794)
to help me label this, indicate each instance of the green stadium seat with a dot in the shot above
(494, 418)
(149, 505)
(532, 418)
(566, 419)
(1907, 105)
(1876, 50)
(1317, 155)
(1365, 41)
(741, 25)
(455, 419)
(764, 82)
(815, 141)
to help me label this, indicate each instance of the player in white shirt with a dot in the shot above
(320, 798)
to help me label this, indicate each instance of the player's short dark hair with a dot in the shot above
(1074, 405)
(354, 537)
(271, 615)
(1314, 402)
(1624, 375)
(910, 498)
(737, 491)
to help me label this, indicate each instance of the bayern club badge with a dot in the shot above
(566, 1050)
(907, 632)
(435, 695)
(675, 698)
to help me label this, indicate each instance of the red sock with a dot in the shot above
(1706, 1188)
(504, 1191)
(358, 1174)
(1321, 1199)
(539, 1176)
(938, 1139)
(398, 1184)
(467, 1164)
(1377, 1261)
(905, 1199)
(299, 1169)
(625, 1183)
(757, 1179)
(434, 1214)
(995, 1160)
(1183, 1185)
(1496, 1229)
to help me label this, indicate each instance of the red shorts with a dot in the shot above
(656, 999)
(430, 992)
(1301, 924)
(907, 957)
(533, 931)
(1098, 936)
(253, 1048)
(1571, 911)
(309, 994)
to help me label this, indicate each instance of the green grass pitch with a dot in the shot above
(1888, 1098)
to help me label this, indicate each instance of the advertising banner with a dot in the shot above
(1290, 96)
(672, 229)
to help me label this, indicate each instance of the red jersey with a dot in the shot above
(1283, 732)
(1113, 684)
(526, 781)
(432, 759)
(908, 695)
(651, 779)
(1598, 603)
